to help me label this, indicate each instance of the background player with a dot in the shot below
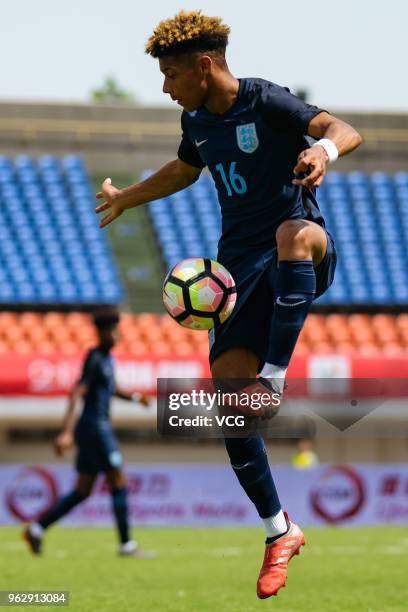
(98, 449)
(251, 135)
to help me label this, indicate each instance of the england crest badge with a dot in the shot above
(247, 137)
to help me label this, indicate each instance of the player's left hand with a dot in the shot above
(112, 203)
(312, 161)
(144, 400)
(141, 398)
(63, 442)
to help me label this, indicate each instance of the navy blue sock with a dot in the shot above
(60, 508)
(295, 288)
(250, 463)
(120, 510)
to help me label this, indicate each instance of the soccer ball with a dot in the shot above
(199, 293)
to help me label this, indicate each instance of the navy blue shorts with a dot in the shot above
(249, 324)
(97, 448)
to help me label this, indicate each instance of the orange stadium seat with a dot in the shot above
(159, 349)
(8, 319)
(14, 333)
(4, 347)
(138, 349)
(67, 348)
(23, 347)
(30, 320)
(37, 333)
(54, 319)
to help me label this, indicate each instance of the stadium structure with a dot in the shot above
(58, 267)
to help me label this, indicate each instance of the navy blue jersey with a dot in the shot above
(251, 151)
(98, 375)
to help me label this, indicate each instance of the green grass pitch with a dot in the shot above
(363, 570)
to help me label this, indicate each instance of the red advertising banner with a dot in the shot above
(54, 375)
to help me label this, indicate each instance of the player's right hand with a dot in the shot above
(110, 194)
(310, 169)
(63, 442)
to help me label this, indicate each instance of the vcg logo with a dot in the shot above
(338, 495)
(32, 492)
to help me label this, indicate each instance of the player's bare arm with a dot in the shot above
(136, 396)
(65, 439)
(173, 177)
(315, 159)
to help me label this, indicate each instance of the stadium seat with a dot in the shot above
(47, 217)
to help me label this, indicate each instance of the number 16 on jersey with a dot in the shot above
(235, 182)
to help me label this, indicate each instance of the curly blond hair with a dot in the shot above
(186, 33)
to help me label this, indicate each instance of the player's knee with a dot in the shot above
(118, 483)
(84, 486)
(84, 491)
(235, 363)
(116, 479)
(293, 240)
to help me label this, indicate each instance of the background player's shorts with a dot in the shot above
(249, 324)
(97, 449)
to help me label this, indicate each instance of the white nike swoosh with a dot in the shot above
(199, 143)
(279, 301)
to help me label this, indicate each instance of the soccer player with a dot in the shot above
(251, 135)
(97, 446)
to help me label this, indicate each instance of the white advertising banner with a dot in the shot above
(177, 495)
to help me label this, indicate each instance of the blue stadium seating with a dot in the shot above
(51, 249)
(367, 215)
